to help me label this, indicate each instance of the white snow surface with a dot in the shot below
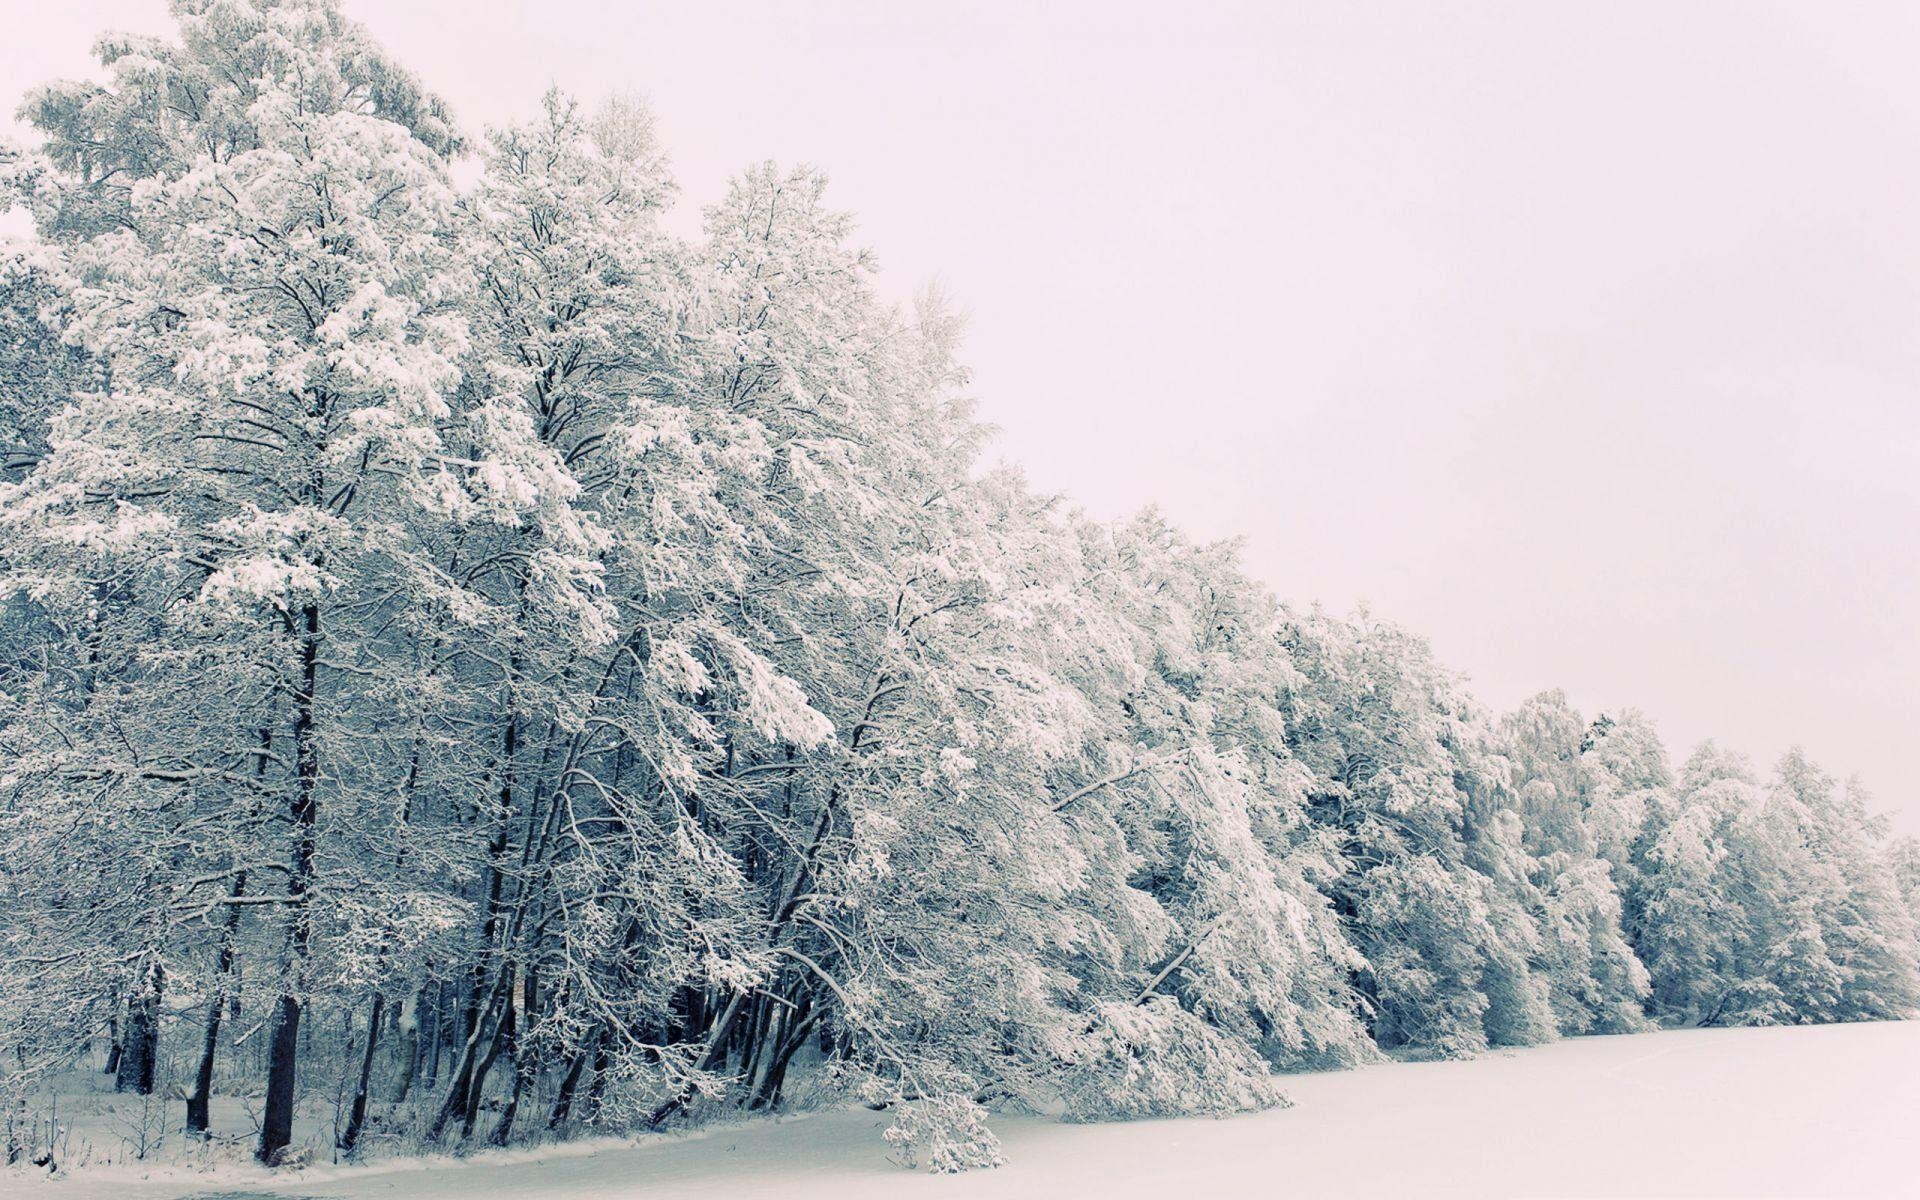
(1813, 1111)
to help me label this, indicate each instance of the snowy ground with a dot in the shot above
(1828, 1111)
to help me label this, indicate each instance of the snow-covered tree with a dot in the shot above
(1398, 753)
(541, 672)
(252, 222)
(1573, 801)
(1774, 904)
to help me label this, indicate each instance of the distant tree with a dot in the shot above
(1399, 757)
(1581, 821)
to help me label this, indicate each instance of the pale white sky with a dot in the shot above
(1578, 337)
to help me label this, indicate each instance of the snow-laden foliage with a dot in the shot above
(473, 653)
(1579, 819)
(945, 1134)
(1412, 798)
(1774, 902)
(1158, 1060)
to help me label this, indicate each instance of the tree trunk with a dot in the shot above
(140, 1047)
(357, 1116)
(525, 1066)
(461, 1093)
(521, 1063)
(435, 1014)
(716, 1047)
(113, 1047)
(410, 1060)
(767, 1094)
(200, 1102)
(283, 1051)
(597, 1090)
(464, 1093)
(504, 1034)
(570, 1083)
(276, 1123)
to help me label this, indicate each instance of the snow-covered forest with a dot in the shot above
(479, 665)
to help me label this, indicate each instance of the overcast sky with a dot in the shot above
(1579, 337)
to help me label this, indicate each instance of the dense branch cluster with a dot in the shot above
(544, 673)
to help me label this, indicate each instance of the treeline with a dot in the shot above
(472, 654)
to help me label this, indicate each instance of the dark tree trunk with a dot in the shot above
(113, 1047)
(524, 1065)
(283, 1053)
(462, 1093)
(139, 1048)
(767, 1094)
(717, 1043)
(760, 1014)
(597, 1090)
(503, 1038)
(434, 1014)
(503, 1129)
(570, 1082)
(200, 1101)
(357, 1115)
